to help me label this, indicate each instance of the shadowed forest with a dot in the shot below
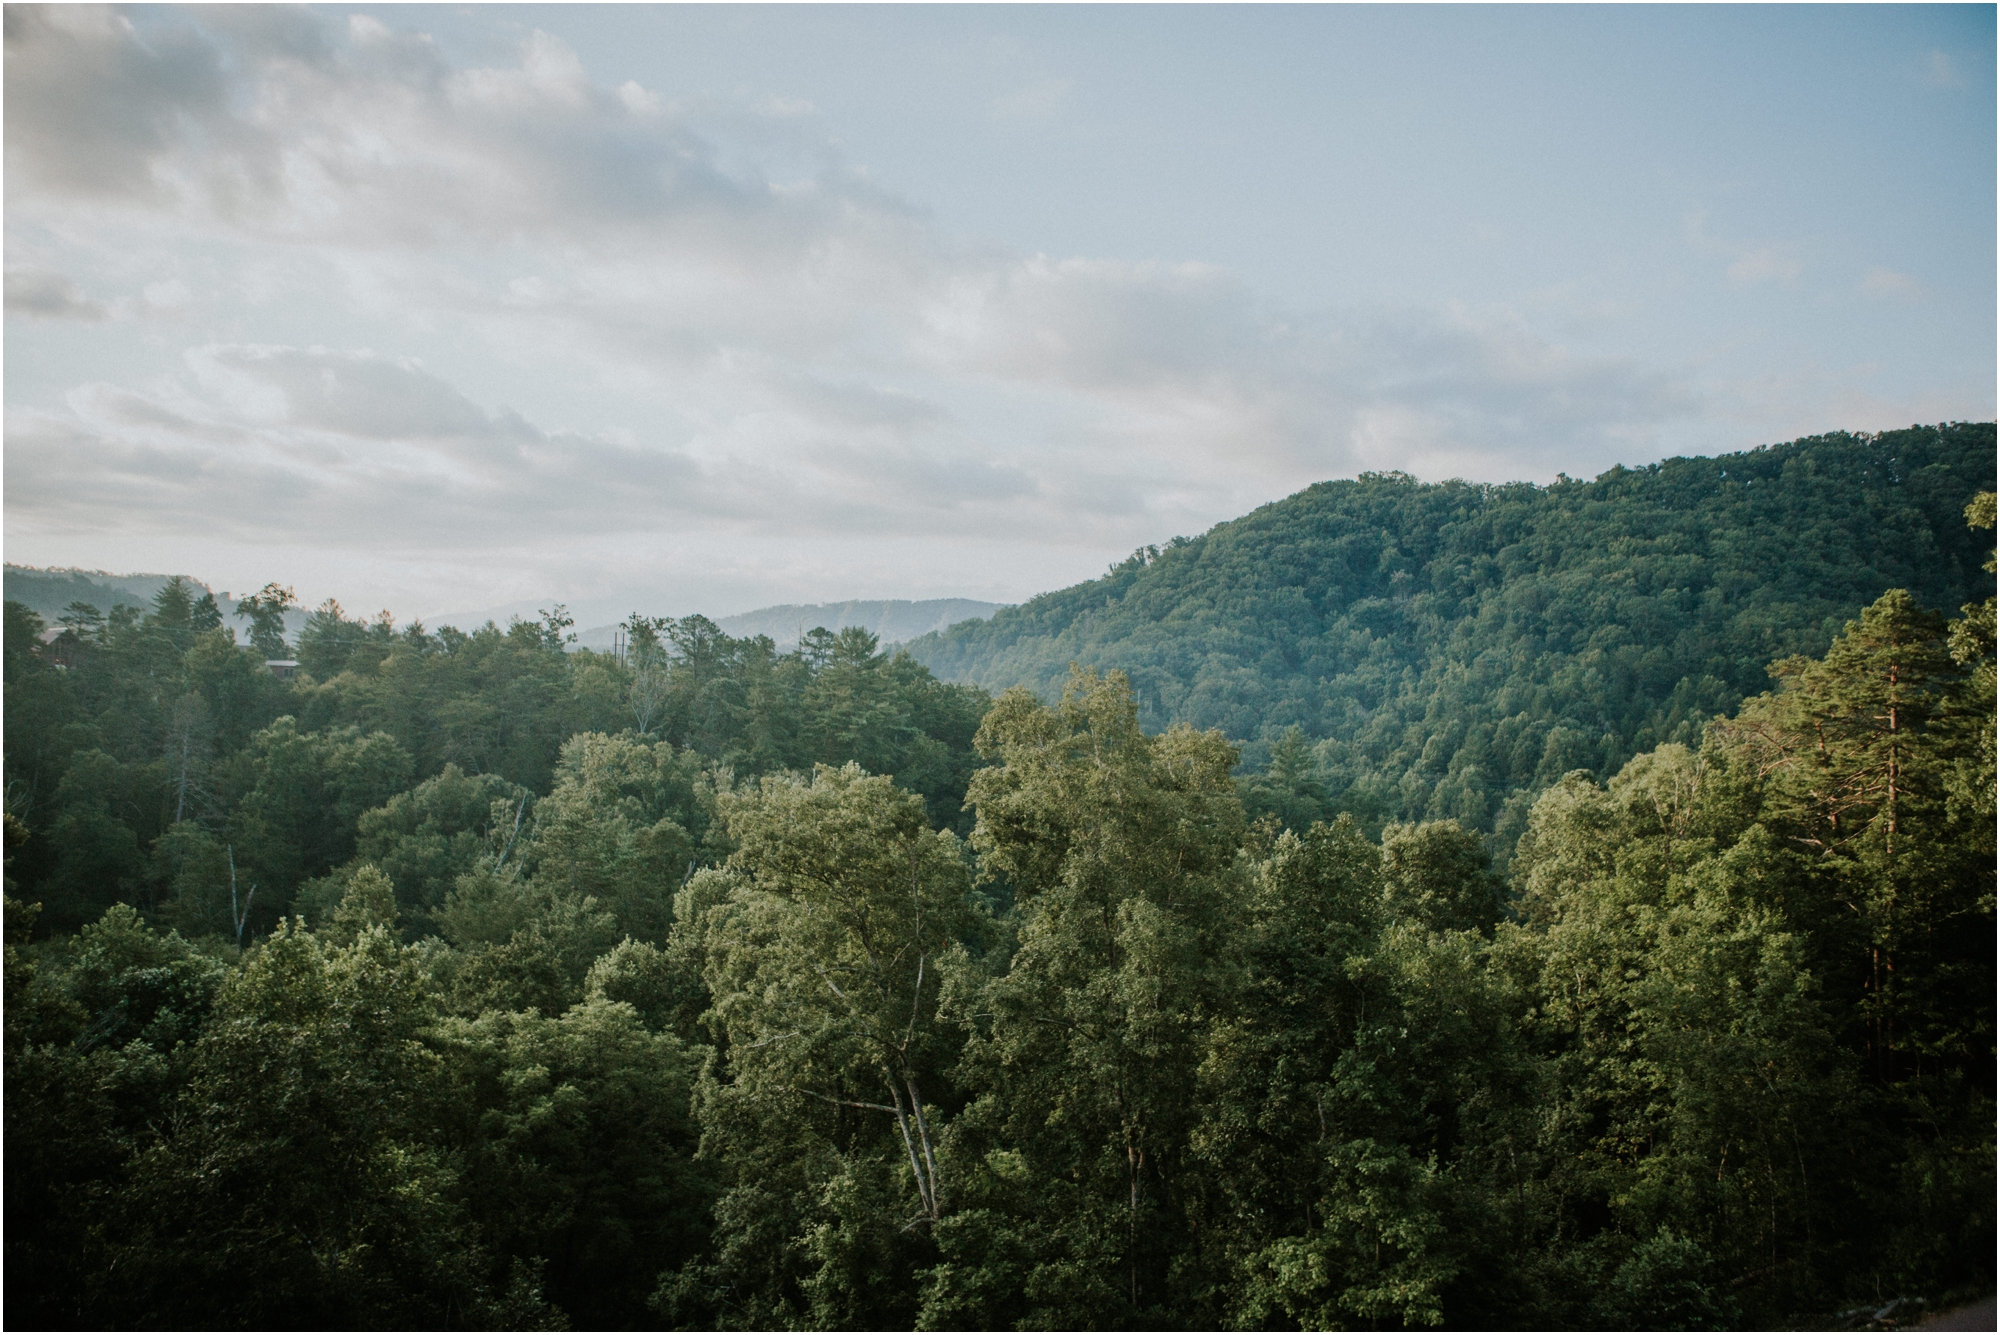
(1406, 906)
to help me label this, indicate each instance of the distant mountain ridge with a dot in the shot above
(49, 592)
(891, 620)
(1451, 649)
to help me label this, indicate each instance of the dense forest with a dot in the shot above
(1601, 935)
(1451, 651)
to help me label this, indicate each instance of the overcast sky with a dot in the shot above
(705, 308)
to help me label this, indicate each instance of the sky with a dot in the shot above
(469, 309)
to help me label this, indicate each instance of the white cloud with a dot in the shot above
(599, 326)
(1882, 282)
(1749, 262)
(637, 100)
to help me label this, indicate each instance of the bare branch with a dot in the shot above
(925, 1187)
(767, 1042)
(916, 1003)
(848, 1103)
(924, 1131)
(518, 814)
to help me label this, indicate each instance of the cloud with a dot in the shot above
(1197, 367)
(1881, 282)
(352, 449)
(90, 107)
(34, 295)
(529, 321)
(1750, 262)
(1815, 397)
(350, 393)
(369, 135)
(334, 447)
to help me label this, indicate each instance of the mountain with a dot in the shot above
(891, 620)
(1451, 649)
(49, 591)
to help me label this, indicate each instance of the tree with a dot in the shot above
(190, 869)
(300, 795)
(99, 1037)
(1118, 852)
(1450, 650)
(650, 678)
(1289, 789)
(98, 857)
(179, 616)
(556, 623)
(300, 1186)
(1853, 761)
(576, 1140)
(1972, 649)
(330, 642)
(265, 611)
(1439, 875)
(621, 824)
(825, 964)
(190, 729)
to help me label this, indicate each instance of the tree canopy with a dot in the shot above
(466, 980)
(1450, 650)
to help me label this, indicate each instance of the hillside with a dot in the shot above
(673, 908)
(48, 592)
(1454, 648)
(890, 620)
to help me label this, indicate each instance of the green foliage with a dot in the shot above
(302, 794)
(731, 989)
(1119, 853)
(425, 839)
(1354, 1102)
(369, 901)
(621, 824)
(96, 1046)
(822, 1108)
(1857, 756)
(525, 948)
(1453, 649)
(265, 610)
(578, 1139)
(658, 986)
(298, 1189)
(1438, 874)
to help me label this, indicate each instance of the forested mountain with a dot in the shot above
(473, 979)
(1451, 650)
(48, 592)
(890, 620)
